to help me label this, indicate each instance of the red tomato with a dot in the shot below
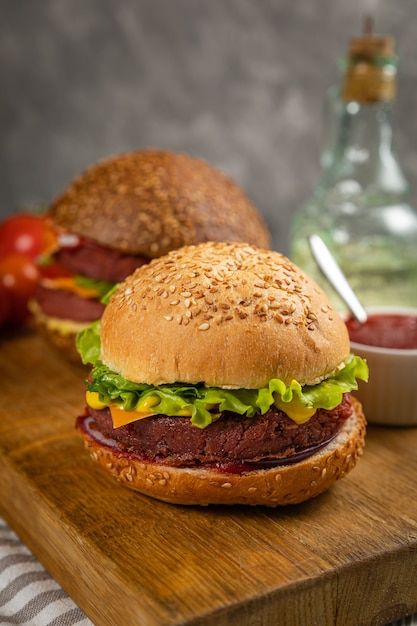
(19, 276)
(5, 305)
(25, 233)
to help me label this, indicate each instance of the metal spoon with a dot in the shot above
(331, 270)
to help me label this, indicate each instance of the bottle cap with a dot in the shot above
(371, 70)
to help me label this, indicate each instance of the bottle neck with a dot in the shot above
(362, 149)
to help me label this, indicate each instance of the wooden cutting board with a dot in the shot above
(347, 558)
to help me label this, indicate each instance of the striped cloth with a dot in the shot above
(30, 597)
(28, 594)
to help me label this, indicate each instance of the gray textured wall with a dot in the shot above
(237, 82)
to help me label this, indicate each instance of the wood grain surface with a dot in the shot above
(347, 558)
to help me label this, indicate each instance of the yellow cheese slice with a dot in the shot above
(121, 417)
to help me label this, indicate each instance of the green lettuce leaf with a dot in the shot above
(325, 395)
(88, 343)
(105, 299)
(113, 388)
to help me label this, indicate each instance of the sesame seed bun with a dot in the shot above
(152, 201)
(226, 314)
(281, 485)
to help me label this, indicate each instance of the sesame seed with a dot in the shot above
(204, 326)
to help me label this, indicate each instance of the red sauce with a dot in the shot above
(385, 330)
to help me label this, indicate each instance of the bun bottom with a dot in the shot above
(277, 486)
(60, 333)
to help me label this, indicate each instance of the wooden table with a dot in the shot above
(349, 557)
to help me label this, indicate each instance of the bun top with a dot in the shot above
(226, 314)
(152, 201)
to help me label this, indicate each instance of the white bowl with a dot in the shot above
(390, 396)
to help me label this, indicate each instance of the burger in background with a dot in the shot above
(121, 213)
(222, 375)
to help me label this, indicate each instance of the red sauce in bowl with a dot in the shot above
(385, 330)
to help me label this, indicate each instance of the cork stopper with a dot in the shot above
(371, 68)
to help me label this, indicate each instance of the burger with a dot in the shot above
(118, 215)
(221, 374)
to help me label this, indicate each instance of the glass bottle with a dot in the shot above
(360, 206)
